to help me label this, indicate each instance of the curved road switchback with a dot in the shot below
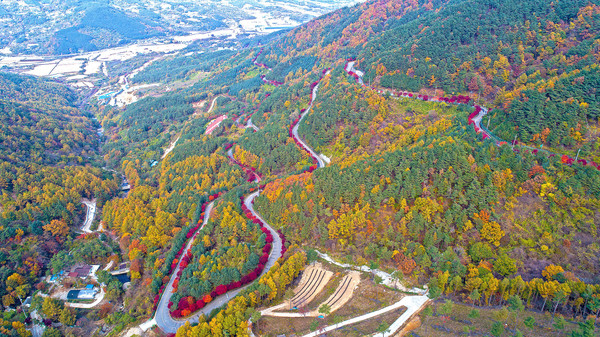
(475, 119)
(295, 128)
(249, 124)
(230, 155)
(163, 318)
(350, 69)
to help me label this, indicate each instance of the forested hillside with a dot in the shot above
(102, 27)
(47, 146)
(409, 185)
(498, 50)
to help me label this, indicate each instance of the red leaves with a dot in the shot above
(263, 259)
(245, 279)
(269, 238)
(192, 307)
(221, 289)
(183, 304)
(567, 160)
(282, 237)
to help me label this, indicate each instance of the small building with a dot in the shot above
(56, 277)
(83, 294)
(81, 271)
(87, 294)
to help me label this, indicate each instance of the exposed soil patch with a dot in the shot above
(368, 297)
(368, 327)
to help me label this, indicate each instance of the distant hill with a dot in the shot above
(68, 26)
(100, 28)
(40, 123)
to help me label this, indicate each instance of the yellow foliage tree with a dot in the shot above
(552, 270)
(57, 228)
(491, 232)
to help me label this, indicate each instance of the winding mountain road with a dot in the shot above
(230, 155)
(350, 69)
(163, 318)
(168, 324)
(249, 124)
(295, 128)
(475, 119)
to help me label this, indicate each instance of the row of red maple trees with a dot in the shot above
(460, 99)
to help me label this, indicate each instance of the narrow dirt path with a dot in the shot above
(212, 104)
(170, 148)
(174, 143)
(412, 303)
